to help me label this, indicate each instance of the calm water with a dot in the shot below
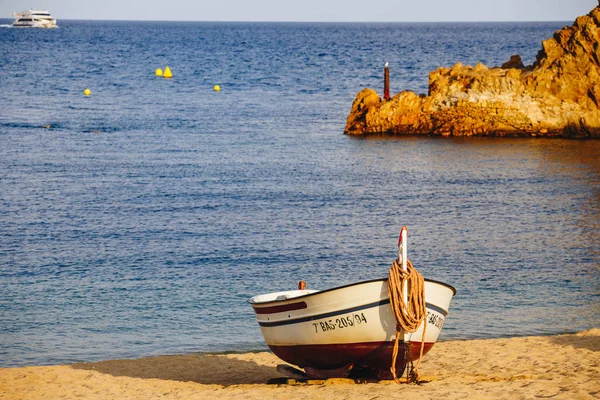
(142, 220)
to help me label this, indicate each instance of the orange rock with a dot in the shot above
(558, 95)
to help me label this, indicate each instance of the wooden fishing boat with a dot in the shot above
(349, 329)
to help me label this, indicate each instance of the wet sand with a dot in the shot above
(556, 367)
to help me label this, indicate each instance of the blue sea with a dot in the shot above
(139, 220)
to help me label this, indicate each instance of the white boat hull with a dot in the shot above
(346, 327)
(34, 19)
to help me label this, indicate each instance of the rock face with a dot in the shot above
(559, 95)
(514, 62)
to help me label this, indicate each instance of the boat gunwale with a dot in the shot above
(304, 296)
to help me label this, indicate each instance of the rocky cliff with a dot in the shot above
(559, 95)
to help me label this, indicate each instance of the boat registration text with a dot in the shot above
(347, 321)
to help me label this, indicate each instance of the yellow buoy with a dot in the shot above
(167, 73)
(158, 72)
(87, 92)
(217, 88)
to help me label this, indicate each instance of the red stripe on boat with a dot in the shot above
(376, 355)
(276, 309)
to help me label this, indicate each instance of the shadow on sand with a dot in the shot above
(207, 369)
(589, 340)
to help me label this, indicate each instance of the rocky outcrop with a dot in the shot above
(514, 62)
(559, 95)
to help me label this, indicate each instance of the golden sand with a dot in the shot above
(549, 367)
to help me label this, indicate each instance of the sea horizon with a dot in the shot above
(7, 20)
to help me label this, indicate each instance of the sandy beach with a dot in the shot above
(557, 367)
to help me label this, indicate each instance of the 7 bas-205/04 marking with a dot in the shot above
(346, 321)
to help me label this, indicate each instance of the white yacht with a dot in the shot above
(34, 19)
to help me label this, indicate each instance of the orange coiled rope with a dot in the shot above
(408, 315)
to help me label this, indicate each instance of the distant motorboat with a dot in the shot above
(34, 19)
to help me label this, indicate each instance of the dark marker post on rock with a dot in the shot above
(386, 82)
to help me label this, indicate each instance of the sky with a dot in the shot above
(308, 10)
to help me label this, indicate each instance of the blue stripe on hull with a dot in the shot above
(344, 311)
